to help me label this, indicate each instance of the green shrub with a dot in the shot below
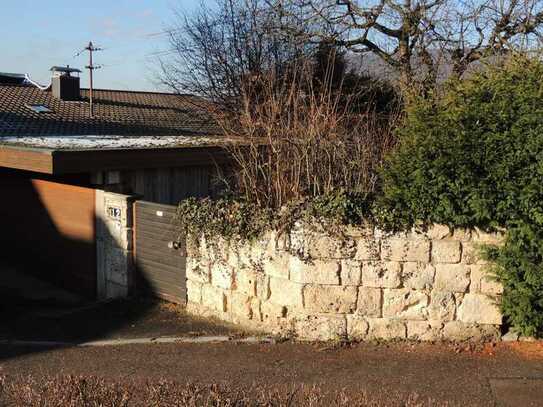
(473, 156)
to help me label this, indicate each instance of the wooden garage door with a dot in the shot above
(160, 264)
(50, 229)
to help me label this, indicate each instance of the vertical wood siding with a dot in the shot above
(170, 185)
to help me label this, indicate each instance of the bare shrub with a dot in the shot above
(67, 391)
(93, 391)
(301, 140)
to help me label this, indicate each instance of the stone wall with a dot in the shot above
(365, 285)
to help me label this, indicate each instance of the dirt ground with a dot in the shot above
(502, 374)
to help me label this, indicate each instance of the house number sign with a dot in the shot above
(114, 212)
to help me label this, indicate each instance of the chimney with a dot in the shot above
(65, 83)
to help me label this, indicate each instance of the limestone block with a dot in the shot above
(405, 304)
(480, 309)
(380, 234)
(367, 248)
(277, 242)
(424, 330)
(198, 271)
(222, 275)
(369, 302)
(381, 274)
(387, 329)
(442, 306)
(348, 247)
(320, 246)
(490, 286)
(232, 257)
(418, 276)
(438, 232)
(461, 331)
(452, 277)
(258, 249)
(472, 253)
(243, 254)
(359, 231)
(329, 298)
(314, 271)
(321, 327)
(400, 249)
(462, 234)
(262, 286)
(277, 266)
(285, 292)
(417, 232)
(240, 305)
(483, 282)
(213, 298)
(271, 312)
(246, 281)
(256, 312)
(477, 274)
(194, 291)
(357, 327)
(446, 251)
(351, 272)
(251, 254)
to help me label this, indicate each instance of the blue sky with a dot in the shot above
(37, 34)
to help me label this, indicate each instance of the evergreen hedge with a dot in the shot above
(472, 156)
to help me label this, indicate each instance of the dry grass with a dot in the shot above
(91, 391)
(304, 140)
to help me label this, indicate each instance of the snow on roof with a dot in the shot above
(96, 142)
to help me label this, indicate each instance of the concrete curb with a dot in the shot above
(142, 341)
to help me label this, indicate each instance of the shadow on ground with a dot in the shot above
(33, 310)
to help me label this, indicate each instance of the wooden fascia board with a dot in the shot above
(29, 159)
(79, 161)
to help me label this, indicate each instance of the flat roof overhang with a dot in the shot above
(58, 162)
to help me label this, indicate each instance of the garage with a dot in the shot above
(69, 177)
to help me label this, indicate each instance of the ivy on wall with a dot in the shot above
(232, 218)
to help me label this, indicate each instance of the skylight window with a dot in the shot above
(39, 108)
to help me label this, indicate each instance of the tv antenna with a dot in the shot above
(91, 67)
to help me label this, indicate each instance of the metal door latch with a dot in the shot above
(174, 245)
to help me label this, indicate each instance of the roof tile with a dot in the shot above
(120, 113)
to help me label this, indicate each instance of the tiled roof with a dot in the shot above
(116, 113)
